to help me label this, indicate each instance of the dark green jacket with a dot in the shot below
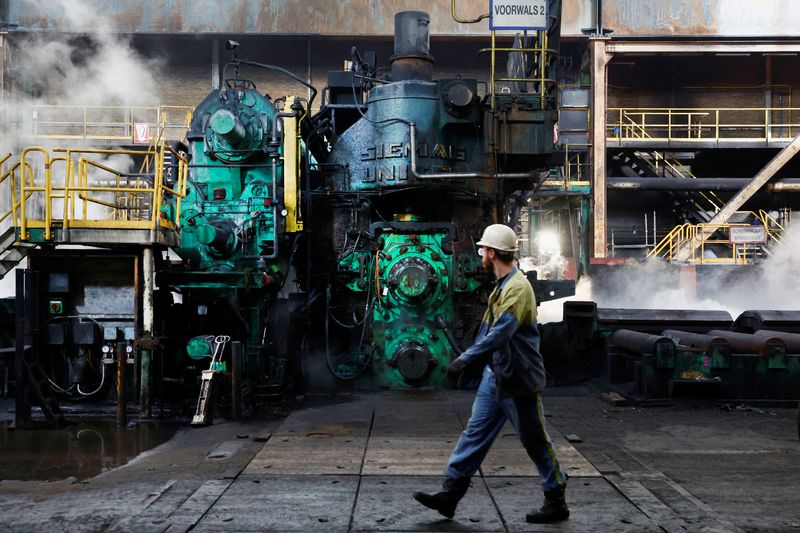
(508, 338)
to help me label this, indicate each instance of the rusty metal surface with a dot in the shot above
(686, 18)
(575, 16)
(792, 340)
(712, 18)
(309, 17)
(657, 320)
(638, 342)
(753, 320)
(745, 343)
(707, 343)
(595, 505)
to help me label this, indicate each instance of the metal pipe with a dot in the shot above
(448, 334)
(137, 321)
(148, 316)
(465, 21)
(706, 343)
(745, 343)
(122, 393)
(295, 77)
(699, 184)
(411, 59)
(792, 340)
(455, 175)
(640, 343)
(22, 317)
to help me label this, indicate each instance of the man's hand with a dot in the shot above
(455, 368)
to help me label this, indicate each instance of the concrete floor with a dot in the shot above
(351, 463)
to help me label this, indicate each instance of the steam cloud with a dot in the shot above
(97, 68)
(658, 285)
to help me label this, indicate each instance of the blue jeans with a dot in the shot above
(489, 413)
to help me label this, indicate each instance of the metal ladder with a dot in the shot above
(205, 402)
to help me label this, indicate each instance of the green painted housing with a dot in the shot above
(229, 219)
(416, 280)
(231, 227)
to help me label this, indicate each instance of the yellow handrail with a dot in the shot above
(130, 199)
(465, 21)
(678, 173)
(682, 235)
(700, 124)
(109, 123)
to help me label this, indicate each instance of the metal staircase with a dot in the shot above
(12, 251)
(698, 208)
(735, 203)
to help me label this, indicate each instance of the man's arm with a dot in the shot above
(499, 332)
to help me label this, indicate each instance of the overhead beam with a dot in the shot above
(695, 47)
(600, 59)
(699, 184)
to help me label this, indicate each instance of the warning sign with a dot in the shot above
(747, 234)
(141, 133)
(518, 14)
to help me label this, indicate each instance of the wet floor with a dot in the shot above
(82, 450)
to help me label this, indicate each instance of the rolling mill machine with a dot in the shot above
(239, 224)
(343, 243)
(411, 169)
(347, 236)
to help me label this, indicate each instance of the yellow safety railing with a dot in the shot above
(682, 236)
(542, 56)
(105, 123)
(661, 165)
(774, 229)
(576, 163)
(723, 124)
(89, 193)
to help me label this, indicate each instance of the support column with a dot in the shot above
(3, 59)
(148, 319)
(768, 95)
(600, 59)
(122, 378)
(215, 84)
(309, 75)
(23, 309)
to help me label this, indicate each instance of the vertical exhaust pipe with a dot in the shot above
(412, 59)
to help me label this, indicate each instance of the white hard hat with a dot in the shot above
(500, 237)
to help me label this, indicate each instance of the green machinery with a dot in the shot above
(417, 280)
(239, 221)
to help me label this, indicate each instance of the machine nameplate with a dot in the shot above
(391, 150)
(518, 14)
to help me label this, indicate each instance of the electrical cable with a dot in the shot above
(295, 77)
(102, 382)
(378, 279)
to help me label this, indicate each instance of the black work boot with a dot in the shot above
(445, 501)
(554, 509)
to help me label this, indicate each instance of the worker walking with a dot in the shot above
(507, 346)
